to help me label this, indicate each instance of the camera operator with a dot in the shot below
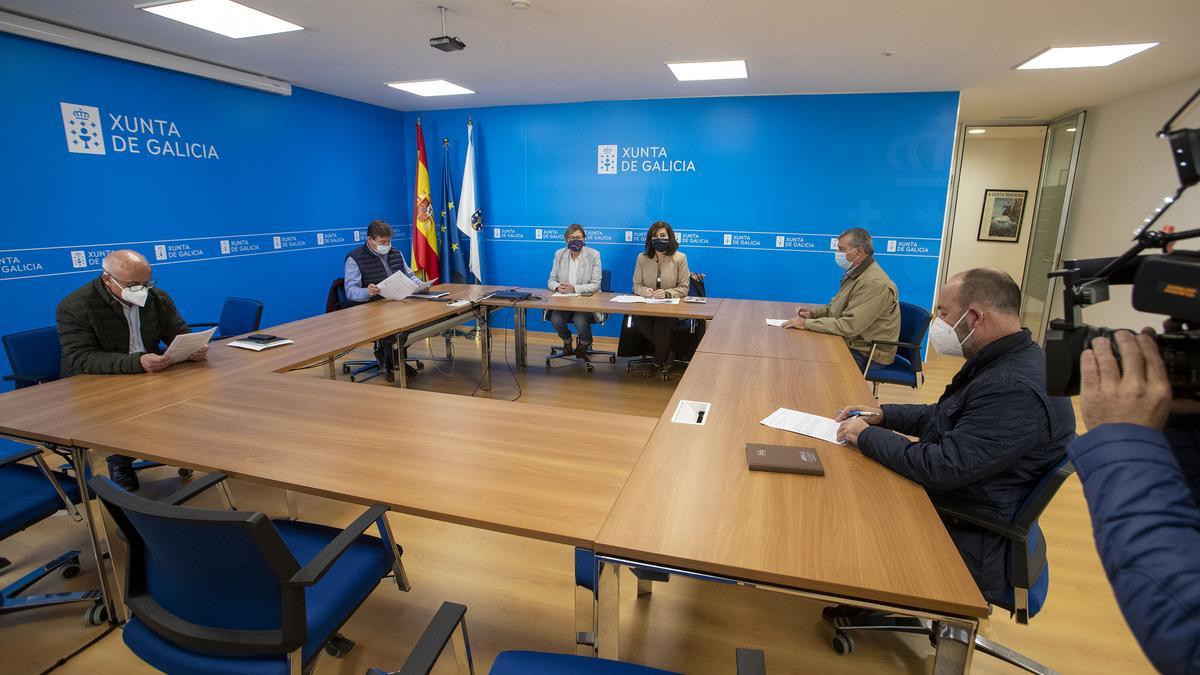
(1143, 504)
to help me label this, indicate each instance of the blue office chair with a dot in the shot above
(29, 495)
(235, 592)
(558, 353)
(450, 624)
(1028, 574)
(238, 317)
(36, 357)
(336, 300)
(906, 368)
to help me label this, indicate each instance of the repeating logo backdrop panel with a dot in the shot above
(758, 188)
(227, 191)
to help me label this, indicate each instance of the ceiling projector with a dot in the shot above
(444, 42)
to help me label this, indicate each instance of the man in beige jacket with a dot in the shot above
(866, 307)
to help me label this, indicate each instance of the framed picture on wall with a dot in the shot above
(1002, 213)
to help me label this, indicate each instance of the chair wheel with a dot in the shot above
(346, 370)
(4, 562)
(612, 359)
(420, 365)
(184, 473)
(70, 570)
(338, 646)
(547, 363)
(95, 615)
(842, 644)
(590, 368)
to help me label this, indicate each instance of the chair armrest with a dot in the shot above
(893, 343)
(433, 640)
(192, 489)
(18, 456)
(751, 662)
(1006, 530)
(320, 564)
(205, 325)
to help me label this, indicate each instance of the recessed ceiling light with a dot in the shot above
(222, 16)
(1084, 57)
(431, 88)
(976, 131)
(709, 70)
(1070, 129)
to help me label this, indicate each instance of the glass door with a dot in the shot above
(1049, 220)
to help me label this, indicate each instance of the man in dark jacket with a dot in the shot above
(1141, 487)
(991, 436)
(116, 324)
(364, 268)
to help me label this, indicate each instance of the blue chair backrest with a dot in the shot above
(35, 354)
(215, 570)
(914, 323)
(1027, 566)
(240, 315)
(606, 281)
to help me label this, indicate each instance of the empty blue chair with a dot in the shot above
(238, 317)
(450, 624)
(906, 368)
(35, 356)
(1028, 573)
(29, 495)
(236, 592)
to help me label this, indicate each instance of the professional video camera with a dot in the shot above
(1166, 283)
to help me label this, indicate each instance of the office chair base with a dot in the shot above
(67, 565)
(561, 353)
(338, 646)
(843, 642)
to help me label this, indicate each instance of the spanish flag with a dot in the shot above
(425, 240)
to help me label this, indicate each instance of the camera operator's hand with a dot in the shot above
(1139, 395)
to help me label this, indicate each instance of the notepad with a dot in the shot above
(803, 423)
(777, 322)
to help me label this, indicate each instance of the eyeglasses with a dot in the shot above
(135, 287)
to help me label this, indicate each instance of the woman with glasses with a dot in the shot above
(576, 269)
(661, 272)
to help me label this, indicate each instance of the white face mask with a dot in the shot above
(137, 297)
(944, 340)
(381, 249)
(840, 259)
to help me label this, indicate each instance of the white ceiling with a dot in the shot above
(579, 50)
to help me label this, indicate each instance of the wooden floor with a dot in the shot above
(520, 592)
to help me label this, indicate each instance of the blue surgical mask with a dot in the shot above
(575, 245)
(661, 245)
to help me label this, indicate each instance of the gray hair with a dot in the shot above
(859, 238)
(990, 287)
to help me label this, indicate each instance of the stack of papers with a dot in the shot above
(798, 422)
(187, 344)
(648, 301)
(399, 286)
(777, 322)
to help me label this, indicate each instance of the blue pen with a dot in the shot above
(859, 413)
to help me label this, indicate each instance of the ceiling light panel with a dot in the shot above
(709, 70)
(431, 88)
(1084, 57)
(225, 17)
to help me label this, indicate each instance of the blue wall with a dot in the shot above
(758, 185)
(310, 168)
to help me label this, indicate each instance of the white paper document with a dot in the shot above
(565, 295)
(803, 423)
(777, 322)
(255, 346)
(187, 344)
(399, 286)
(648, 301)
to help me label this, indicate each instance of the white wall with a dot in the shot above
(993, 164)
(1123, 174)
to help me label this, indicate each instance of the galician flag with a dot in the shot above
(470, 217)
(425, 240)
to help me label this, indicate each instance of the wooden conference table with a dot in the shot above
(640, 492)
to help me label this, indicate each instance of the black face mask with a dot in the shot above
(660, 245)
(575, 245)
